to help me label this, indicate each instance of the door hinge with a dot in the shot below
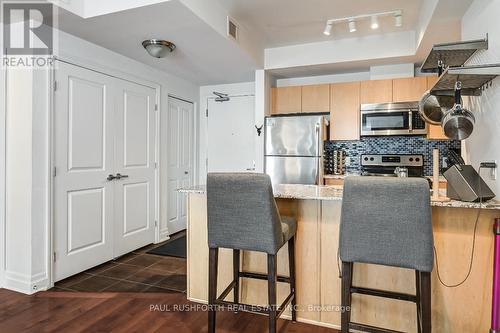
(156, 165)
(55, 85)
(156, 223)
(54, 172)
(206, 113)
(55, 256)
(156, 107)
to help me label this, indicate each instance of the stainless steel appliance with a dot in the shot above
(392, 119)
(294, 149)
(389, 165)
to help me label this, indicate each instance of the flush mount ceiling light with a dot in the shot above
(374, 23)
(158, 48)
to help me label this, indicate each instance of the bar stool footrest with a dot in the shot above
(384, 293)
(370, 329)
(260, 276)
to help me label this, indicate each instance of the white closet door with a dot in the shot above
(135, 121)
(83, 159)
(180, 161)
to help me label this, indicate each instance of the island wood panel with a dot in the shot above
(286, 100)
(462, 309)
(344, 111)
(197, 245)
(376, 91)
(316, 98)
(408, 89)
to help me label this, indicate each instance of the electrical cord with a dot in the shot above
(469, 271)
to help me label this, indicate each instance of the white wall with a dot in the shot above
(28, 164)
(483, 144)
(2, 166)
(245, 88)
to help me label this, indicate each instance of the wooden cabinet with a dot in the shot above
(435, 131)
(376, 91)
(316, 98)
(344, 111)
(286, 100)
(408, 89)
(333, 181)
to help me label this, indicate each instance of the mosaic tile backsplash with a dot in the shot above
(392, 145)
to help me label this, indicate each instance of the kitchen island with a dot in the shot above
(465, 308)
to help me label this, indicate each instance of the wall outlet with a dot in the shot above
(347, 161)
(444, 162)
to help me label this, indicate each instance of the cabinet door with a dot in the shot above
(376, 91)
(286, 100)
(316, 98)
(344, 111)
(435, 131)
(408, 89)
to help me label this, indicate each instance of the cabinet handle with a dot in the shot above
(110, 177)
(120, 176)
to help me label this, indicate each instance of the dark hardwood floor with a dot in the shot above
(71, 312)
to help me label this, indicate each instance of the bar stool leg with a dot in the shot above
(345, 316)
(291, 265)
(236, 275)
(212, 287)
(425, 301)
(272, 278)
(419, 311)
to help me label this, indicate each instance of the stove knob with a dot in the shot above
(366, 158)
(372, 159)
(417, 159)
(411, 159)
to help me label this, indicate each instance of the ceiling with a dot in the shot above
(202, 56)
(285, 22)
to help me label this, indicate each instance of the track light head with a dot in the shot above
(328, 29)
(352, 25)
(398, 19)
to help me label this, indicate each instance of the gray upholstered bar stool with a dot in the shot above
(242, 215)
(387, 221)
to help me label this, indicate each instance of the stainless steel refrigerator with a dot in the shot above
(294, 149)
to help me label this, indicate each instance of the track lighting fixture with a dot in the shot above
(373, 17)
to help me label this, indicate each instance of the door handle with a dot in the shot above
(110, 177)
(185, 172)
(120, 176)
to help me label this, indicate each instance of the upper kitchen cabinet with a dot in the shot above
(316, 98)
(286, 100)
(408, 89)
(344, 111)
(376, 91)
(435, 131)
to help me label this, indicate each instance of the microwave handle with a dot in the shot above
(410, 122)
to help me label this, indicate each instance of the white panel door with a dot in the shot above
(135, 128)
(83, 160)
(231, 135)
(180, 161)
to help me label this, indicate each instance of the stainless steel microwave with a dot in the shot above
(392, 119)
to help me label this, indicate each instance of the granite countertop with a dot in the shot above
(334, 192)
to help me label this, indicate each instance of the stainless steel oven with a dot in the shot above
(392, 119)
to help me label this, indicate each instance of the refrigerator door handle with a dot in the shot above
(318, 149)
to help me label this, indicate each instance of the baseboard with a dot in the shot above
(24, 283)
